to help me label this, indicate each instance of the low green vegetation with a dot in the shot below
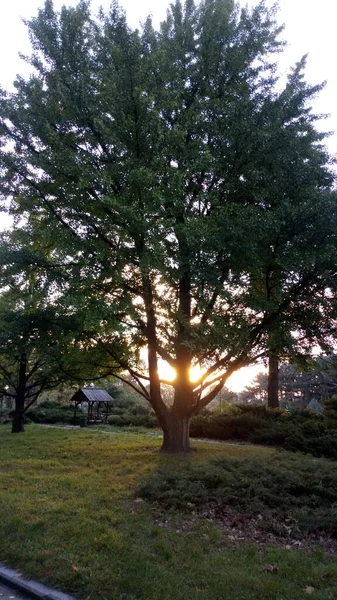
(129, 409)
(301, 430)
(52, 411)
(107, 516)
(286, 491)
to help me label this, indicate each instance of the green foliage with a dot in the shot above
(173, 160)
(51, 411)
(128, 409)
(305, 382)
(296, 430)
(278, 487)
(5, 414)
(322, 445)
(330, 406)
(133, 420)
(225, 427)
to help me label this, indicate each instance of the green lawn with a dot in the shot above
(68, 517)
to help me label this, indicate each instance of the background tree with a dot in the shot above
(172, 184)
(44, 343)
(27, 342)
(299, 384)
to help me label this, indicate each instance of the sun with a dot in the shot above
(236, 382)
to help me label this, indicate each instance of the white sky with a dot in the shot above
(310, 28)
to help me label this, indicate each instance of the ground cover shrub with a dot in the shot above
(323, 445)
(259, 410)
(51, 411)
(273, 434)
(280, 487)
(330, 408)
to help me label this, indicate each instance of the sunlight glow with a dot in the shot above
(243, 377)
(236, 382)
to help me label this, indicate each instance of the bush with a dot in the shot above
(330, 408)
(226, 426)
(51, 412)
(275, 434)
(325, 445)
(133, 420)
(259, 410)
(281, 487)
(298, 431)
(5, 414)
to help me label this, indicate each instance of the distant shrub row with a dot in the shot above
(51, 411)
(122, 415)
(133, 415)
(303, 431)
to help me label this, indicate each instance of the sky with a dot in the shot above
(309, 28)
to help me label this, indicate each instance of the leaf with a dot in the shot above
(309, 589)
(75, 568)
(271, 568)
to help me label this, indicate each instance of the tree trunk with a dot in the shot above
(176, 434)
(273, 381)
(18, 417)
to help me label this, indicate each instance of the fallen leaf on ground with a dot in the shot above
(270, 568)
(308, 589)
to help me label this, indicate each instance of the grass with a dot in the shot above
(68, 517)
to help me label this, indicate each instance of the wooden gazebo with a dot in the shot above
(95, 398)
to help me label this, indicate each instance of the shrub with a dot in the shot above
(297, 430)
(5, 414)
(51, 412)
(133, 420)
(313, 428)
(226, 426)
(330, 408)
(252, 486)
(275, 434)
(325, 445)
(260, 410)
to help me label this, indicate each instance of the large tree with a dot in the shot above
(175, 186)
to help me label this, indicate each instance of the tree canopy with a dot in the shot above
(170, 183)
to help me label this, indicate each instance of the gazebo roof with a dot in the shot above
(91, 394)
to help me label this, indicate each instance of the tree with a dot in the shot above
(299, 384)
(43, 343)
(27, 336)
(171, 185)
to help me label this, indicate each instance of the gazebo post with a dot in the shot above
(75, 407)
